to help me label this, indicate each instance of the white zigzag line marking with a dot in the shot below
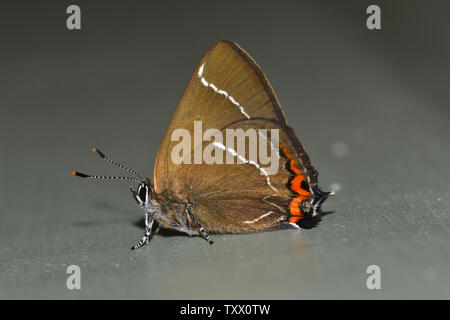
(222, 92)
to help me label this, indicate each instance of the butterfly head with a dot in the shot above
(145, 194)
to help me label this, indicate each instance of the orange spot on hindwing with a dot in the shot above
(298, 185)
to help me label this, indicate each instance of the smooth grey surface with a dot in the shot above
(371, 107)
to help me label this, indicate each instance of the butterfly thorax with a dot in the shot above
(174, 214)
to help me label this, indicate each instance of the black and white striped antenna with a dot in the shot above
(102, 155)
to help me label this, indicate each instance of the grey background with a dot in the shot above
(371, 107)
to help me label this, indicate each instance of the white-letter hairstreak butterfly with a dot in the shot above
(228, 92)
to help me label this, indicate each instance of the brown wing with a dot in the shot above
(228, 90)
(226, 86)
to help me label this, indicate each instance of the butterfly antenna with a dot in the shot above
(83, 175)
(102, 155)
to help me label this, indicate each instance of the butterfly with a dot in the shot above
(227, 91)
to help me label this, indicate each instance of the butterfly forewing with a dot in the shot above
(226, 86)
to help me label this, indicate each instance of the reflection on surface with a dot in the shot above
(299, 244)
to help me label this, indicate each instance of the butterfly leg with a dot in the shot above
(148, 231)
(200, 229)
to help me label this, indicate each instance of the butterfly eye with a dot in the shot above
(143, 190)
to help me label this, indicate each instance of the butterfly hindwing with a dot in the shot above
(247, 196)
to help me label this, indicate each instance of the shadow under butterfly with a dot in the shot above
(227, 90)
